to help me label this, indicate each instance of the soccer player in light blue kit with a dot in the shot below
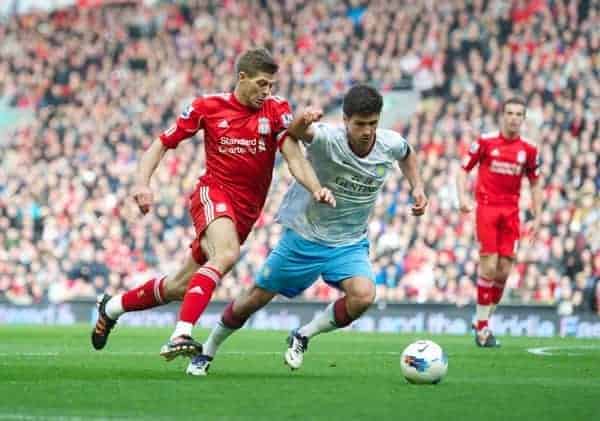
(353, 161)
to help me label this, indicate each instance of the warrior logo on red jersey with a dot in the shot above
(521, 157)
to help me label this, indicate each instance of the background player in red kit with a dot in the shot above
(242, 131)
(504, 158)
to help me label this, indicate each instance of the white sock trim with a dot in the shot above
(182, 328)
(483, 312)
(114, 307)
(321, 323)
(216, 338)
(156, 290)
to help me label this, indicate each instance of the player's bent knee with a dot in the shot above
(363, 297)
(228, 257)
(174, 289)
(501, 278)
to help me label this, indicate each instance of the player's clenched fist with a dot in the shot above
(465, 206)
(311, 114)
(421, 201)
(324, 195)
(143, 197)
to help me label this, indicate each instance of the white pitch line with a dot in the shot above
(548, 350)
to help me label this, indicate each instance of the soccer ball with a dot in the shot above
(424, 362)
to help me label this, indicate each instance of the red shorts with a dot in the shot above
(209, 202)
(497, 229)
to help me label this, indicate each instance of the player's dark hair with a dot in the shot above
(514, 100)
(362, 99)
(256, 60)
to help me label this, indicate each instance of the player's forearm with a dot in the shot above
(299, 166)
(149, 161)
(461, 185)
(410, 169)
(536, 199)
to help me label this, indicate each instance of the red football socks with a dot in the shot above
(497, 291)
(484, 301)
(484, 291)
(147, 295)
(198, 294)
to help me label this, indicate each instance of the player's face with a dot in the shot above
(361, 128)
(514, 116)
(254, 90)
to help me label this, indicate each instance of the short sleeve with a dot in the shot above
(323, 134)
(474, 156)
(400, 147)
(281, 118)
(187, 124)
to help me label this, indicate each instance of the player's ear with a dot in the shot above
(242, 76)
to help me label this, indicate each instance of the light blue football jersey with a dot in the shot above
(354, 181)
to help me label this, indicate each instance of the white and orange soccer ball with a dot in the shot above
(424, 362)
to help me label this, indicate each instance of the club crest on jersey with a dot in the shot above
(521, 157)
(380, 170)
(264, 127)
(474, 147)
(223, 124)
(187, 112)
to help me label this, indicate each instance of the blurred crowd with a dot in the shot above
(102, 83)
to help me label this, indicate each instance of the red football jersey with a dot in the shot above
(240, 143)
(502, 165)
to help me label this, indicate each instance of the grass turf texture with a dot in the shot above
(51, 373)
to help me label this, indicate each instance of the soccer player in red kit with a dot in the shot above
(504, 158)
(242, 132)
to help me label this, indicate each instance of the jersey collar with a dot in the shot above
(366, 153)
(509, 139)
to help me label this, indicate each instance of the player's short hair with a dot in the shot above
(362, 99)
(514, 100)
(256, 60)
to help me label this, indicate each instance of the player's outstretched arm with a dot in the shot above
(142, 194)
(300, 127)
(303, 171)
(410, 169)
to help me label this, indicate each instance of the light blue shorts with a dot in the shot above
(295, 264)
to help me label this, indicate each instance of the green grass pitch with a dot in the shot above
(51, 373)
